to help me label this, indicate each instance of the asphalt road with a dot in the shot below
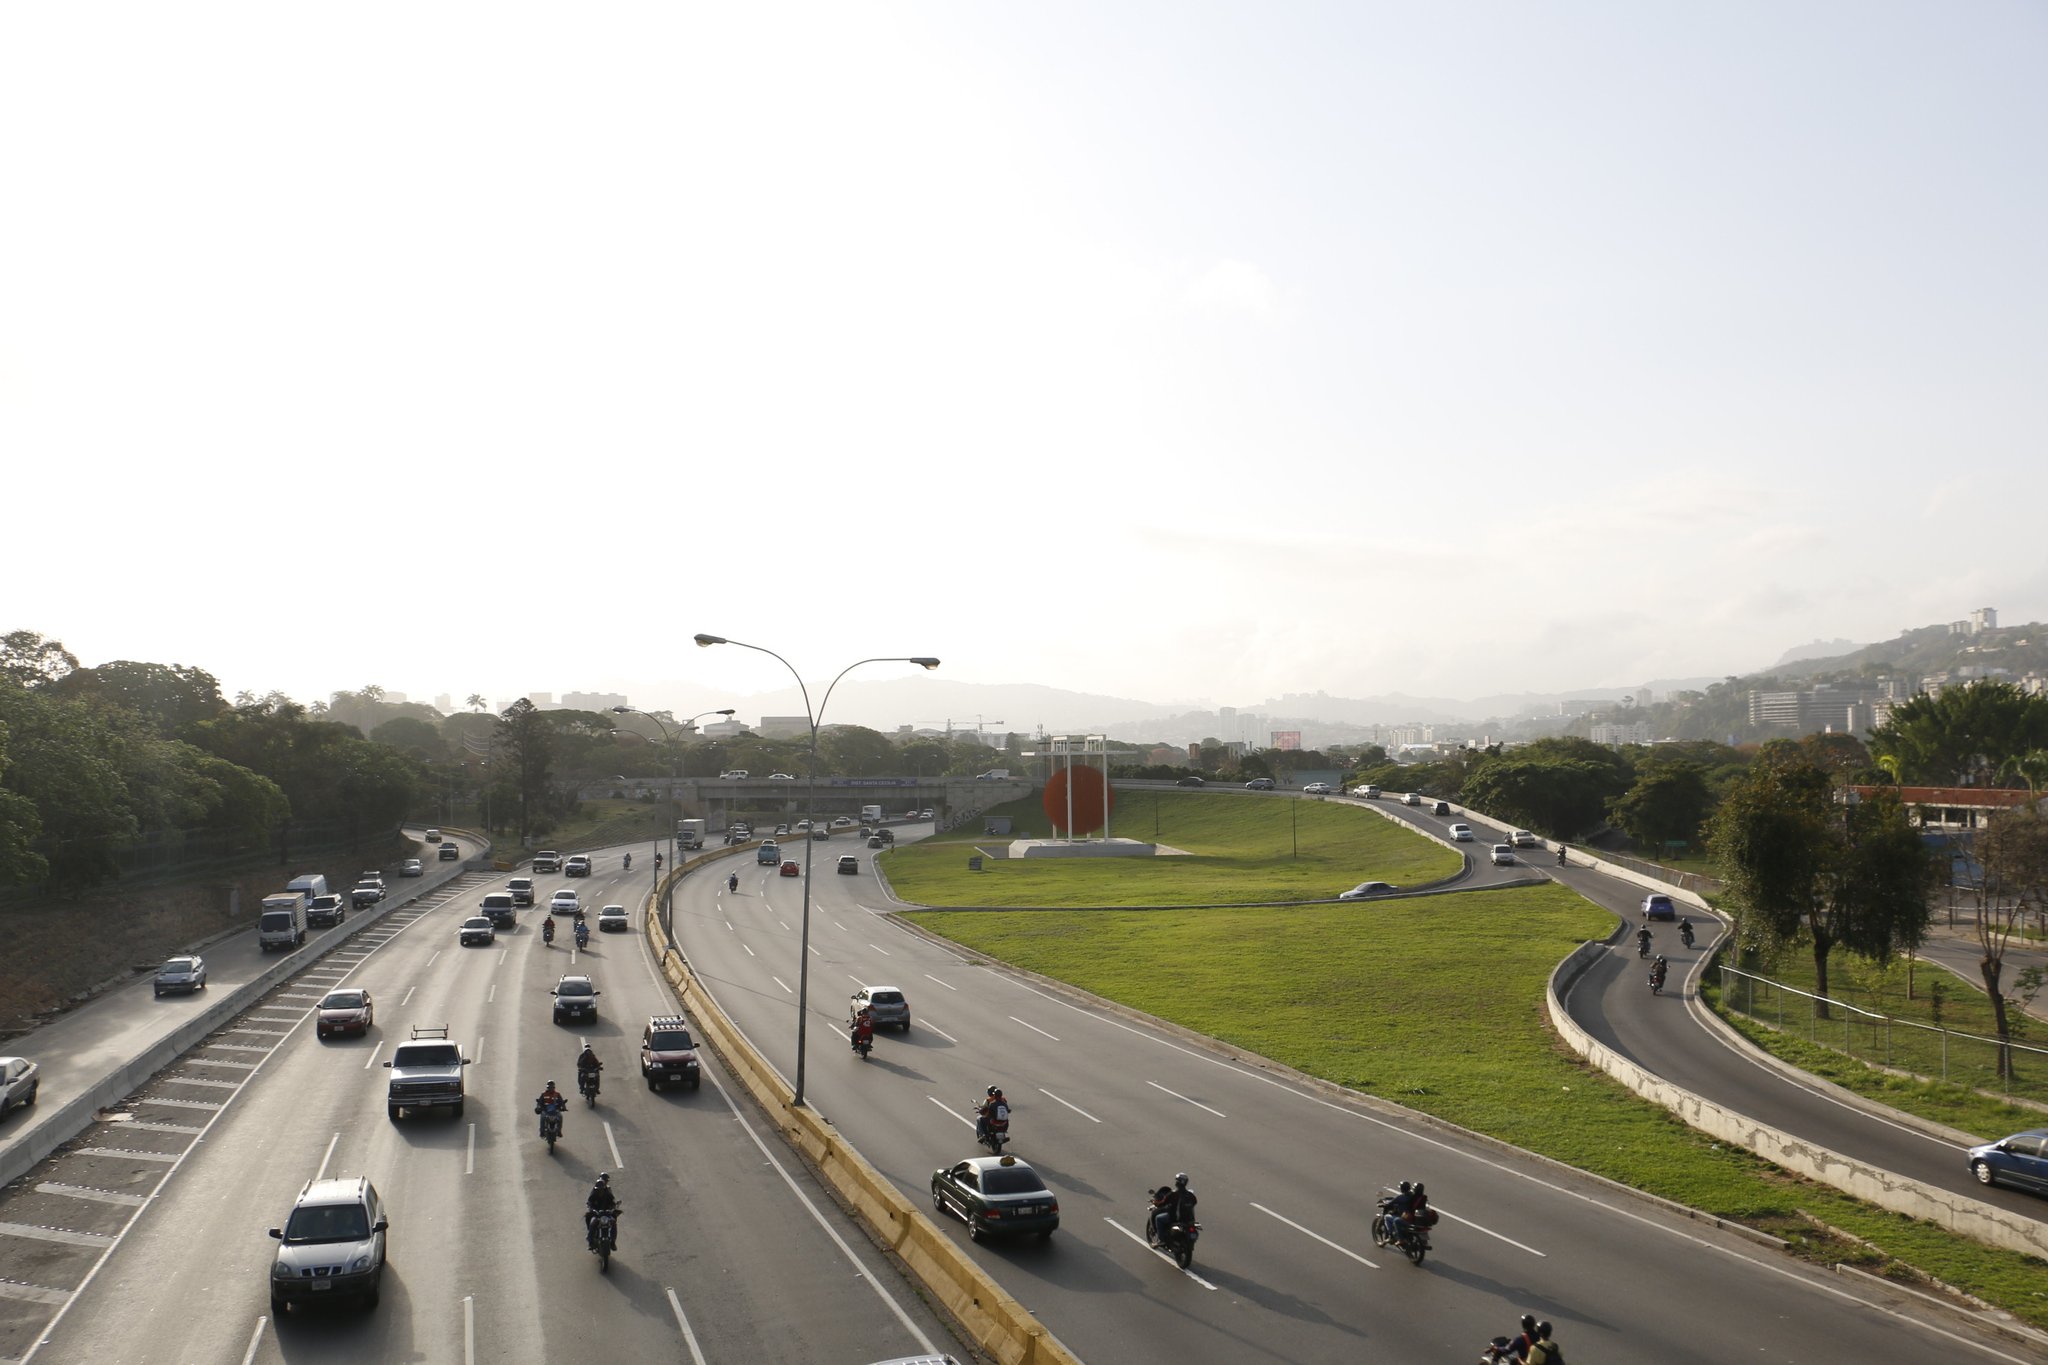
(728, 1250)
(1107, 1106)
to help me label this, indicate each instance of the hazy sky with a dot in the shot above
(1174, 350)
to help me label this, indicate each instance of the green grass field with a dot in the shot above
(1386, 997)
(1240, 851)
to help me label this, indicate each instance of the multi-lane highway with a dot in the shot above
(146, 1241)
(1107, 1106)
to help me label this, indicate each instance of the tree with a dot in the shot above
(169, 697)
(475, 701)
(1797, 864)
(1565, 797)
(1962, 734)
(422, 739)
(527, 740)
(19, 827)
(2013, 852)
(1668, 804)
(856, 751)
(32, 661)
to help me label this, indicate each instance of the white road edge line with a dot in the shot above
(469, 1329)
(469, 1164)
(924, 1342)
(1155, 1251)
(255, 1340)
(689, 1337)
(880, 949)
(1177, 1095)
(1033, 1027)
(1317, 1235)
(1478, 1227)
(618, 1162)
(1075, 1107)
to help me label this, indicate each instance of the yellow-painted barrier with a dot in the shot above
(995, 1320)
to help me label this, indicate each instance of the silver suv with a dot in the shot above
(332, 1246)
(891, 1007)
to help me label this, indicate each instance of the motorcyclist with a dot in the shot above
(1561, 852)
(1420, 1215)
(550, 1102)
(1658, 970)
(862, 1032)
(1643, 941)
(1521, 1345)
(1685, 931)
(992, 1114)
(601, 1200)
(627, 863)
(1394, 1209)
(588, 1066)
(657, 862)
(732, 883)
(1172, 1205)
(582, 934)
(547, 932)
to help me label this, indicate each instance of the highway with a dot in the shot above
(145, 1242)
(1669, 1034)
(1108, 1106)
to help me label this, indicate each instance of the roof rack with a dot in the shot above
(667, 1021)
(420, 1031)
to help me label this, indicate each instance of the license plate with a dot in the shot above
(319, 1285)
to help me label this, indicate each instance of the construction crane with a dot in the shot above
(980, 727)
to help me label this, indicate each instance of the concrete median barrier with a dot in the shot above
(995, 1320)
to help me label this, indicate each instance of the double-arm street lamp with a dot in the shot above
(674, 773)
(803, 968)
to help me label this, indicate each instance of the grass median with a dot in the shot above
(1236, 851)
(1437, 1003)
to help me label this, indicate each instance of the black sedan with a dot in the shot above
(1191, 782)
(997, 1195)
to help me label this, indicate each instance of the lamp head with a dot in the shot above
(622, 710)
(706, 641)
(926, 663)
(726, 712)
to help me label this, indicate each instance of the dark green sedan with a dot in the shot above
(997, 1195)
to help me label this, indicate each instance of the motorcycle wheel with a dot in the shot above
(551, 1144)
(1416, 1251)
(1379, 1233)
(1184, 1255)
(604, 1259)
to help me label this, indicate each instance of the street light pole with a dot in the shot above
(668, 902)
(803, 961)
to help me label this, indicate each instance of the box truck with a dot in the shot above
(283, 921)
(689, 834)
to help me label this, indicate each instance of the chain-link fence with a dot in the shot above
(1926, 1050)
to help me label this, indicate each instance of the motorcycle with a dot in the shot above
(1405, 1235)
(1180, 1239)
(547, 932)
(626, 864)
(1561, 858)
(604, 1235)
(586, 1085)
(582, 936)
(1497, 1352)
(1643, 945)
(1685, 933)
(732, 883)
(1656, 982)
(863, 1043)
(550, 1123)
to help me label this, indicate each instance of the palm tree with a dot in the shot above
(475, 701)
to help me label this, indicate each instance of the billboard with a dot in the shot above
(1286, 739)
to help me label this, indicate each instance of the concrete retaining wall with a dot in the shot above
(1958, 1213)
(997, 1322)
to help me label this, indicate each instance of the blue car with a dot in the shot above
(2020, 1161)
(1657, 905)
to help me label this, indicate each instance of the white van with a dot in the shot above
(312, 883)
(283, 921)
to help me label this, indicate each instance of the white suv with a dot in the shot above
(332, 1246)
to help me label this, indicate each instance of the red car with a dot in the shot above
(790, 869)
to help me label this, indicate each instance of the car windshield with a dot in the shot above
(1011, 1180)
(177, 966)
(573, 988)
(328, 1223)
(343, 1000)
(433, 1054)
(887, 997)
(671, 1040)
(476, 922)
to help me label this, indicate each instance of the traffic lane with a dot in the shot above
(1257, 1148)
(1612, 1001)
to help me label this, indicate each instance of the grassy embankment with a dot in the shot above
(1380, 996)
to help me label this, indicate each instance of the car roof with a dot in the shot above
(620, 908)
(347, 1189)
(476, 919)
(997, 1163)
(567, 979)
(871, 988)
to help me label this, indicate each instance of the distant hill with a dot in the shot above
(1819, 649)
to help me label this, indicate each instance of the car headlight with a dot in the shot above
(361, 1262)
(281, 1271)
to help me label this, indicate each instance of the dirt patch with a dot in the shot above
(63, 953)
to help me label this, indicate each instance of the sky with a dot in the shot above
(1188, 352)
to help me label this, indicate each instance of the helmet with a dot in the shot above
(1528, 1322)
(550, 1085)
(1542, 1329)
(1660, 959)
(995, 1090)
(1406, 1187)
(1418, 1189)
(604, 1177)
(1180, 1182)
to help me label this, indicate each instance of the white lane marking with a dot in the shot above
(408, 996)
(943, 1105)
(478, 1060)
(948, 985)
(880, 949)
(435, 958)
(255, 1340)
(326, 1157)
(618, 1162)
(1477, 1227)
(1033, 1027)
(785, 926)
(469, 1329)
(1135, 1237)
(371, 1060)
(492, 998)
(1075, 1107)
(924, 1342)
(778, 981)
(837, 925)
(924, 1021)
(856, 980)
(501, 959)
(1317, 1235)
(814, 949)
(728, 924)
(469, 1166)
(1177, 1095)
(750, 951)
(689, 1337)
